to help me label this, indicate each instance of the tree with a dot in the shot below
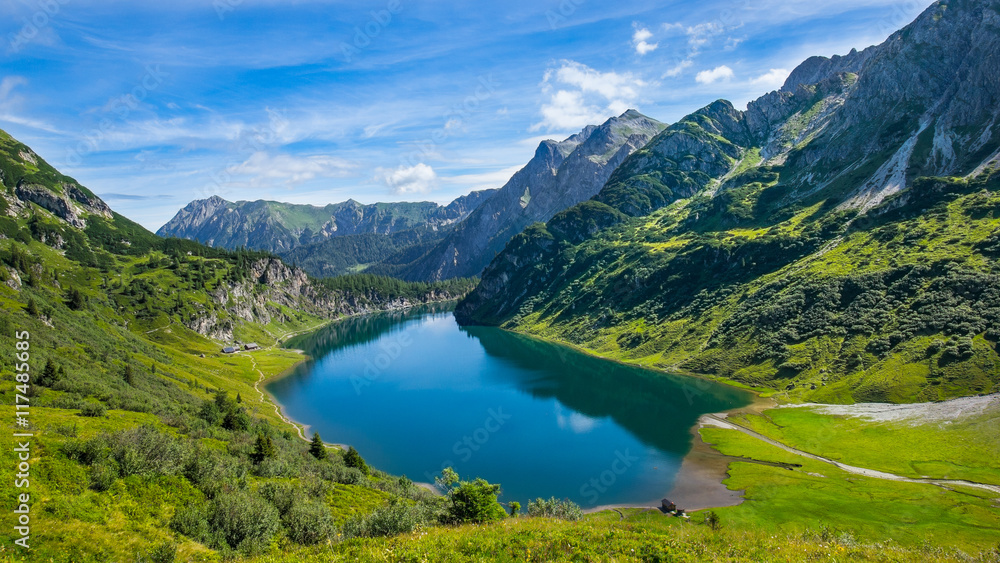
(76, 300)
(712, 519)
(236, 419)
(49, 374)
(353, 459)
(263, 449)
(515, 507)
(32, 308)
(317, 448)
(239, 398)
(475, 501)
(470, 501)
(129, 375)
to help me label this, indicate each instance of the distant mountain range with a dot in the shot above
(279, 227)
(836, 241)
(422, 241)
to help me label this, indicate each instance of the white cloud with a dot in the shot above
(772, 79)
(417, 179)
(641, 43)
(698, 35)
(590, 96)
(373, 129)
(677, 69)
(267, 170)
(716, 74)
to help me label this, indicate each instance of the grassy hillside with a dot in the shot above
(816, 304)
(151, 445)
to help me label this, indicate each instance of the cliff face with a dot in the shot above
(558, 176)
(271, 285)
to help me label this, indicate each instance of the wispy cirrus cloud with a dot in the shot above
(264, 169)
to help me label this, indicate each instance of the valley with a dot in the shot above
(783, 316)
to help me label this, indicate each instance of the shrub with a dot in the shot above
(475, 501)
(242, 521)
(163, 553)
(554, 508)
(281, 495)
(87, 452)
(237, 420)
(395, 519)
(191, 521)
(146, 451)
(308, 522)
(102, 476)
(96, 410)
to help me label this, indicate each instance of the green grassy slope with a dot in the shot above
(961, 446)
(899, 305)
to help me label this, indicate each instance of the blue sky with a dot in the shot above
(152, 105)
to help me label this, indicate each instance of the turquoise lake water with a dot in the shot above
(414, 392)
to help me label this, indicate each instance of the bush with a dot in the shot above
(308, 522)
(281, 495)
(242, 521)
(475, 501)
(102, 476)
(96, 410)
(237, 420)
(554, 508)
(163, 553)
(395, 519)
(190, 521)
(146, 451)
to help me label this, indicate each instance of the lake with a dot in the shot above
(414, 392)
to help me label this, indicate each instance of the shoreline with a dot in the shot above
(300, 427)
(698, 484)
